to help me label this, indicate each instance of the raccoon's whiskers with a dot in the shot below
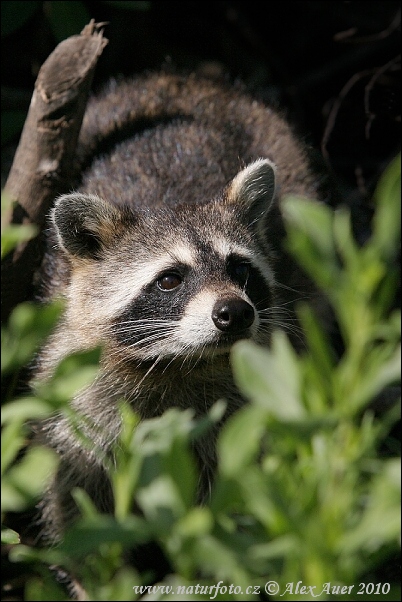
(152, 367)
(284, 322)
(290, 289)
(146, 331)
(190, 356)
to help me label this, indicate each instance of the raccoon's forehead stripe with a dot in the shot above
(181, 253)
(225, 247)
(146, 273)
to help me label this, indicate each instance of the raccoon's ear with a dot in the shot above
(84, 224)
(253, 189)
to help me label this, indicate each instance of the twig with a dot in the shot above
(43, 165)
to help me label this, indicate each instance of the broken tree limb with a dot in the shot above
(44, 163)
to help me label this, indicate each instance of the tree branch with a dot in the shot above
(43, 165)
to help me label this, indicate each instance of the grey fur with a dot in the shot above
(202, 170)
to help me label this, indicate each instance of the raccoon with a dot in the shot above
(167, 252)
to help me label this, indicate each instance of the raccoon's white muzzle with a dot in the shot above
(212, 317)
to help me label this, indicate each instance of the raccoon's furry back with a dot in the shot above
(167, 253)
(190, 134)
(162, 139)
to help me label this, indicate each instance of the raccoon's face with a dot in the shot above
(172, 284)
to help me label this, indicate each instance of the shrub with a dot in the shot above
(308, 481)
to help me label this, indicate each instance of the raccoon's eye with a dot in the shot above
(169, 281)
(241, 272)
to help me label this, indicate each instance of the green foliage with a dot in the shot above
(12, 234)
(19, 490)
(307, 486)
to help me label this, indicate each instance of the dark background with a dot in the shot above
(332, 66)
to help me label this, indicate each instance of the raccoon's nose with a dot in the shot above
(232, 315)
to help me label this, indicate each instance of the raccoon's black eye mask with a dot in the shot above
(238, 269)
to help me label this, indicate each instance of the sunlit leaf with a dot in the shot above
(240, 439)
(387, 218)
(9, 537)
(19, 490)
(269, 378)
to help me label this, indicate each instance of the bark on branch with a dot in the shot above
(43, 164)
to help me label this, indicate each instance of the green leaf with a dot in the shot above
(226, 495)
(264, 501)
(89, 533)
(387, 217)
(72, 375)
(85, 504)
(12, 440)
(345, 244)
(28, 326)
(120, 587)
(279, 547)
(75, 361)
(270, 378)
(156, 435)
(13, 235)
(309, 226)
(215, 558)
(313, 219)
(9, 537)
(381, 520)
(240, 439)
(19, 490)
(197, 522)
(45, 555)
(43, 589)
(25, 408)
(125, 480)
(180, 465)
(321, 354)
(382, 369)
(161, 503)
